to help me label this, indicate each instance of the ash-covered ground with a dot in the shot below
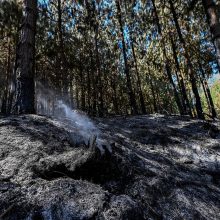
(160, 167)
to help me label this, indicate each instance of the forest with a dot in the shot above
(111, 57)
(109, 109)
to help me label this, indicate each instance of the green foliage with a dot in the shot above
(215, 91)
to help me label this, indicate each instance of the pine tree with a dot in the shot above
(25, 95)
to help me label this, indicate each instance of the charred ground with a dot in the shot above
(160, 167)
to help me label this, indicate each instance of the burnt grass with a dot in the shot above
(151, 167)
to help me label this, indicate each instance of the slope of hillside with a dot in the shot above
(150, 167)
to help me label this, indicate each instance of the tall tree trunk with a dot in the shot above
(82, 88)
(209, 96)
(94, 23)
(140, 92)
(63, 71)
(152, 88)
(127, 72)
(26, 60)
(154, 96)
(71, 91)
(167, 64)
(186, 104)
(191, 72)
(212, 13)
(99, 74)
(89, 91)
(13, 89)
(77, 94)
(205, 92)
(115, 100)
(139, 86)
(6, 90)
(94, 91)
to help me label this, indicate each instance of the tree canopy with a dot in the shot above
(116, 56)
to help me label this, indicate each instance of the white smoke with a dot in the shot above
(80, 121)
(50, 104)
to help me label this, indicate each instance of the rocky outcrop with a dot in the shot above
(159, 168)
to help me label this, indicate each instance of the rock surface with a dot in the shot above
(161, 167)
